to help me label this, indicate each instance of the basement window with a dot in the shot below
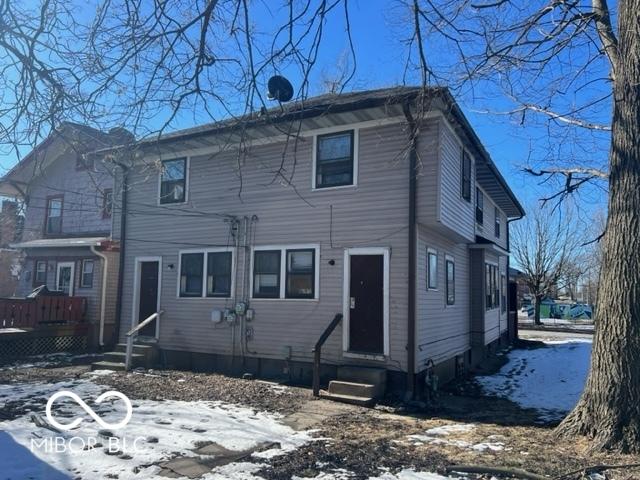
(334, 160)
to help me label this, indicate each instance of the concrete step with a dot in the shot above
(351, 399)
(365, 375)
(137, 359)
(104, 365)
(352, 389)
(137, 348)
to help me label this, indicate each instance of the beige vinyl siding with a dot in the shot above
(443, 331)
(455, 212)
(374, 214)
(82, 205)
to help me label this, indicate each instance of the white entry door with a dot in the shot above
(64, 277)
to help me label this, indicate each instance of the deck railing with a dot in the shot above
(42, 310)
(317, 352)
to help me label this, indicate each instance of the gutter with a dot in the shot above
(123, 236)
(103, 298)
(411, 307)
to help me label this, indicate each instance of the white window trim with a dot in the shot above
(356, 142)
(206, 251)
(449, 258)
(433, 251)
(283, 271)
(384, 251)
(187, 176)
(72, 286)
(85, 260)
(135, 305)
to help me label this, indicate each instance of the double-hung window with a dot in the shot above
(219, 274)
(40, 274)
(205, 274)
(466, 176)
(173, 181)
(492, 286)
(335, 160)
(266, 273)
(86, 279)
(479, 206)
(285, 273)
(300, 273)
(497, 222)
(451, 280)
(432, 269)
(53, 219)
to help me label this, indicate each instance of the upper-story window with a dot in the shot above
(53, 215)
(497, 222)
(335, 160)
(107, 203)
(466, 176)
(173, 181)
(479, 206)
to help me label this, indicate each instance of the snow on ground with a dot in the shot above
(434, 436)
(549, 379)
(160, 430)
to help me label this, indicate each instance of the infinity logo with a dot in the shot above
(89, 410)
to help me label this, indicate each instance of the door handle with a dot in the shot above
(353, 302)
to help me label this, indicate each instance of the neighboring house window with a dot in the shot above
(497, 224)
(86, 279)
(219, 274)
(432, 269)
(107, 203)
(173, 181)
(300, 273)
(492, 289)
(83, 162)
(191, 271)
(40, 274)
(451, 281)
(266, 274)
(479, 206)
(466, 176)
(53, 220)
(334, 160)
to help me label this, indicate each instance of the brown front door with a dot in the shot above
(149, 272)
(366, 297)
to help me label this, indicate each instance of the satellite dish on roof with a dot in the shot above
(279, 88)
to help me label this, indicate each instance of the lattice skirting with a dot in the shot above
(26, 346)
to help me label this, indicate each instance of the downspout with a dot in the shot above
(103, 297)
(411, 310)
(123, 232)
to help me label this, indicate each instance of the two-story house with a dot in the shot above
(251, 236)
(68, 215)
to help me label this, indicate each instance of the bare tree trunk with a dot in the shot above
(536, 311)
(609, 410)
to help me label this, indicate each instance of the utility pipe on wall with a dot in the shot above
(103, 297)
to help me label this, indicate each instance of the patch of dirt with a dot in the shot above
(188, 386)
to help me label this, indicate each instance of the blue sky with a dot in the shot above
(378, 28)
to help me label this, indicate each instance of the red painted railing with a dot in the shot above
(42, 310)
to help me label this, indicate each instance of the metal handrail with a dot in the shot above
(131, 334)
(317, 351)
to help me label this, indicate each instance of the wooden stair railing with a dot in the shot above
(133, 333)
(317, 352)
